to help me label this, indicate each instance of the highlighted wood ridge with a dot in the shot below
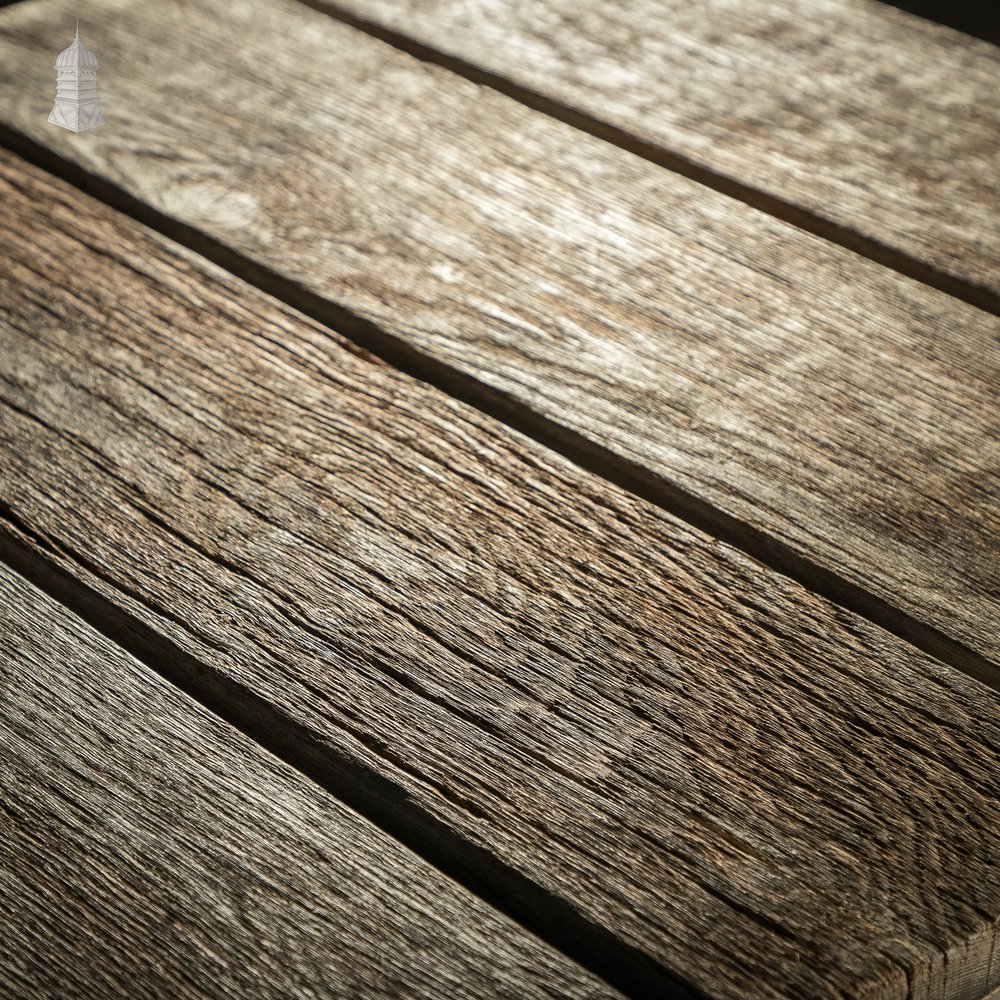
(151, 850)
(824, 414)
(759, 792)
(870, 126)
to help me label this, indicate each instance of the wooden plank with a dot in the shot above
(845, 116)
(150, 850)
(826, 415)
(765, 794)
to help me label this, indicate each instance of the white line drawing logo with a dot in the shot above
(77, 107)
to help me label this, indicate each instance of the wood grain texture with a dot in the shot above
(762, 792)
(865, 116)
(150, 850)
(806, 394)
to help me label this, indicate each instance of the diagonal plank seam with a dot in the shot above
(572, 445)
(377, 798)
(786, 211)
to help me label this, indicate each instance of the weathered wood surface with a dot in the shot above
(807, 394)
(866, 117)
(150, 850)
(764, 793)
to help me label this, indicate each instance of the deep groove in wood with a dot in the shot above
(817, 225)
(577, 448)
(363, 789)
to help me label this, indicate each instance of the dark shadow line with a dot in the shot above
(890, 257)
(376, 797)
(580, 450)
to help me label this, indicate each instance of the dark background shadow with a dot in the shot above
(975, 17)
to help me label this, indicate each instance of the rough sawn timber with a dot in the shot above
(869, 121)
(761, 791)
(821, 412)
(150, 850)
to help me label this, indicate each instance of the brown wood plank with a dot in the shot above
(822, 413)
(870, 121)
(150, 850)
(760, 791)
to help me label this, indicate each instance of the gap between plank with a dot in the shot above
(887, 256)
(572, 445)
(369, 793)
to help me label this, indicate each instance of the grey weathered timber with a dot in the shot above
(871, 120)
(149, 850)
(788, 389)
(760, 791)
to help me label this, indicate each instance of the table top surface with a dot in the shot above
(500, 501)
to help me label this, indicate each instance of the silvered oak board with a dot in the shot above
(877, 123)
(825, 414)
(757, 790)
